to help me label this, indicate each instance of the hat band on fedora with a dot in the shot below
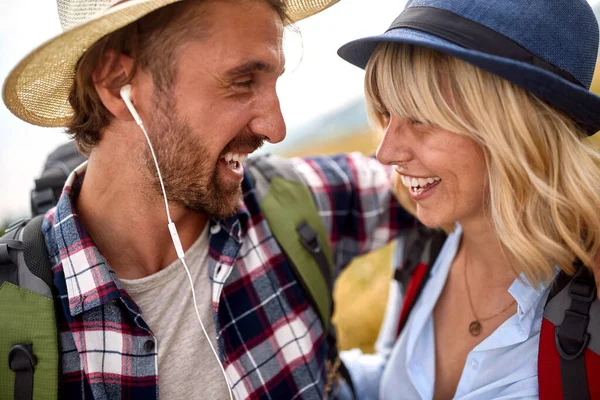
(472, 35)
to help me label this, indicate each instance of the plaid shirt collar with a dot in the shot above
(72, 236)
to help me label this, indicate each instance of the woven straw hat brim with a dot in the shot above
(37, 89)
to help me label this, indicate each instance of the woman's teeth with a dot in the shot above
(417, 185)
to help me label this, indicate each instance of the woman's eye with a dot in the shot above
(413, 121)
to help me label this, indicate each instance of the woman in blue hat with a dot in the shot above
(484, 107)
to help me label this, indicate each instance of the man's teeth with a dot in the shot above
(410, 182)
(238, 157)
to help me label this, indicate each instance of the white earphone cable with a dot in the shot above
(126, 96)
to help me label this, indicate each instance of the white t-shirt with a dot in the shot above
(187, 367)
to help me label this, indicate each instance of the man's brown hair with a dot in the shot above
(152, 42)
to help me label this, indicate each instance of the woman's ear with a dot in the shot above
(108, 77)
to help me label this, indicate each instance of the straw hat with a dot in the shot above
(37, 89)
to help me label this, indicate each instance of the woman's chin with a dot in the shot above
(433, 219)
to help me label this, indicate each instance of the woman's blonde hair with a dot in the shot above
(544, 183)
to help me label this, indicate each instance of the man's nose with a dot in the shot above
(269, 119)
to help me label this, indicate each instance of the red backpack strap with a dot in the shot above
(569, 352)
(411, 294)
(421, 248)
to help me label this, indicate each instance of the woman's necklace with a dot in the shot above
(475, 327)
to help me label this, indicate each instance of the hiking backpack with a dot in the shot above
(569, 349)
(28, 332)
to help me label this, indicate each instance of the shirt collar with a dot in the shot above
(530, 300)
(236, 225)
(89, 279)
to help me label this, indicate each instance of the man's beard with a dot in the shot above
(190, 177)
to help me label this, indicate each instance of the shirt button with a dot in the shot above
(215, 229)
(474, 364)
(149, 345)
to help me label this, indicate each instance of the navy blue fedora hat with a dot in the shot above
(548, 47)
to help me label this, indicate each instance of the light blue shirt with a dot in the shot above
(503, 366)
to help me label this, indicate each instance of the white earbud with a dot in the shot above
(126, 96)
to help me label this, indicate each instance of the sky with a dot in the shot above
(316, 80)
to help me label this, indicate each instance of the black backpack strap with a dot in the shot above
(572, 338)
(22, 361)
(311, 242)
(24, 262)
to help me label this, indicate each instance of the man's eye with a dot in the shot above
(244, 84)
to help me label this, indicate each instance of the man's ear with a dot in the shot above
(108, 77)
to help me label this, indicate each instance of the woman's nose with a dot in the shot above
(395, 147)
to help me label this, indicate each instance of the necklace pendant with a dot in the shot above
(475, 328)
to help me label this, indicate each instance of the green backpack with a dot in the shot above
(28, 332)
(28, 335)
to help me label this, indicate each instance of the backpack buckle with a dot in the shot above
(571, 336)
(582, 290)
(309, 238)
(570, 355)
(21, 357)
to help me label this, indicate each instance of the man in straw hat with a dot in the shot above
(168, 98)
